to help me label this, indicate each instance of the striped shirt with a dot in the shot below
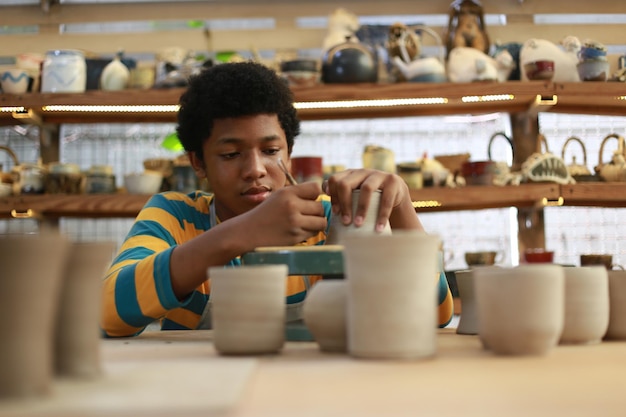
(137, 289)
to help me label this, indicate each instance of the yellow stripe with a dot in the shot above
(184, 317)
(147, 296)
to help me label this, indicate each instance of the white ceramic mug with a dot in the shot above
(586, 304)
(14, 81)
(392, 294)
(248, 308)
(617, 306)
(520, 309)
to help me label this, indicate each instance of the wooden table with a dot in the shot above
(179, 374)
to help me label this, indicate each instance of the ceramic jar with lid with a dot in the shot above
(64, 71)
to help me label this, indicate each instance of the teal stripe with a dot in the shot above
(296, 298)
(196, 302)
(168, 324)
(136, 253)
(443, 287)
(151, 228)
(126, 299)
(162, 280)
(180, 210)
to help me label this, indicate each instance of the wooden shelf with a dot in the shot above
(434, 199)
(587, 97)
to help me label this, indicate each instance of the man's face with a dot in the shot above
(241, 162)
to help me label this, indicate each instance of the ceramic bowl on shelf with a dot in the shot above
(147, 182)
(594, 70)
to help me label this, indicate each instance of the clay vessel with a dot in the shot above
(586, 305)
(617, 306)
(324, 313)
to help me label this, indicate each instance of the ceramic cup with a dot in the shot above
(77, 336)
(324, 314)
(392, 294)
(248, 308)
(589, 259)
(617, 306)
(337, 230)
(32, 268)
(520, 309)
(468, 321)
(481, 258)
(586, 304)
(14, 81)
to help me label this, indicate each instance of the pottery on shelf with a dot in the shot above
(64, 71)
(564, 56)
(115, 75)
(616, 169)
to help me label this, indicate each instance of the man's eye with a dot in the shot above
(229, 155)
(272, 151)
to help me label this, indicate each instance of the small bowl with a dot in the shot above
(300, 72)
(539, 70)
(538, 255)
(480, 258)
(147, 182)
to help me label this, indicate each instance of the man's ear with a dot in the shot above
(197, 164)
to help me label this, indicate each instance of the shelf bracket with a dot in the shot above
(542, 103)
(28, 117)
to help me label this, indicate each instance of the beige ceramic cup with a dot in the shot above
(392, 294)
(586, 304)
(248, 308)
(520, 309)
(77, 336)
(324, 314)
(337, 230)
(32, 267)
(617, 306)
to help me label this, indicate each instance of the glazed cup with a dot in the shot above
(248, 308)
(14, 81)
(586, 305)
(520, 309)
(324, 314)
(392, 294)
(617, 306)
(32, 269)
(337, 230)
(77, 335)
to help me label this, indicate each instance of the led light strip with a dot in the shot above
(12, 109)
(166, 108)
(426, 203)
(369, 103)
(495, 97)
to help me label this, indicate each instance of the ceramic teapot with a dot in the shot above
(578, 171)
(502, 167)
(616, 169)
(404, 48)
(350, 62)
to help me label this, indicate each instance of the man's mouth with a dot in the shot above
(256, 194)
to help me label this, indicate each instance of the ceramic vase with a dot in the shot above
(77, 335)
(586, 305)
(324, 313)
(520, 309)
(64, 71)
(617, 306)
(32, 267)
(392, 294)
(248, 308)
(337, 230)
(468, 321)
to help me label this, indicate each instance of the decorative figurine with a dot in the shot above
(466, 26)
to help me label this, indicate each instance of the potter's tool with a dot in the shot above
(290, 177)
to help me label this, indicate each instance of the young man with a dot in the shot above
(235, 122)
